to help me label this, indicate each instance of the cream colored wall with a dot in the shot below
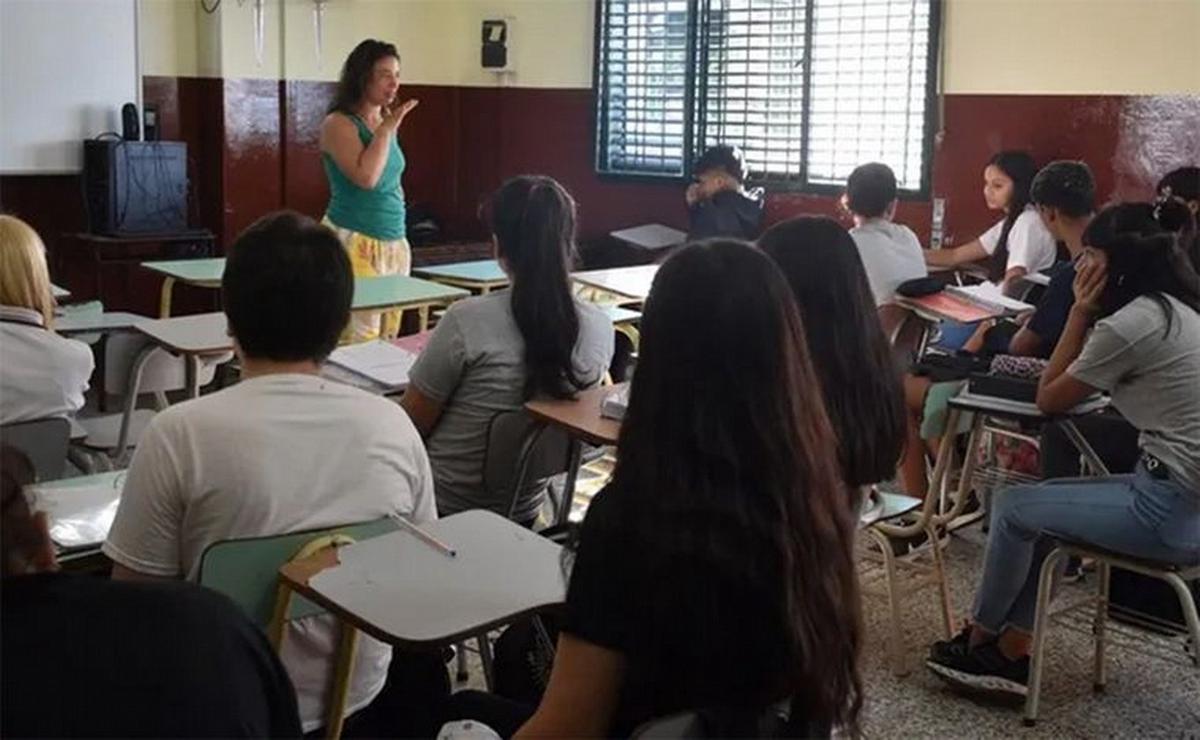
(990, 46)
(1047, 47)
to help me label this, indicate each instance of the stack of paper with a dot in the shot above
(990, 296)
(380, 361)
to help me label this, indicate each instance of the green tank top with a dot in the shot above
(378, 212)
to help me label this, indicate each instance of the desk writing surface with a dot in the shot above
(80, 510)
(619, 315)
(89, 322)
(402, 590)
(968, 401)
(651, 236)
(206, 333)
(204, 272)
(633, 282)
(58, 291)
(477, 271)
(580, 417)
(399, 291)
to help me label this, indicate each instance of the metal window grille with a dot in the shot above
(808, 89)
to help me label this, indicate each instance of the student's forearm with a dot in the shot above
(940, 257)
(1070, 344)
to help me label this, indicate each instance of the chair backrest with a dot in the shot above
(521, 452)
(44, 441)
(247, 570)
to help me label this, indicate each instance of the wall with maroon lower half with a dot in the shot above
(253, 148)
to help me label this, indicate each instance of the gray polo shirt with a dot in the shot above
(474, 366)
(1154, 379)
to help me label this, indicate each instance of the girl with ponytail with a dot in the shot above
(1019, 243)
(492, 353)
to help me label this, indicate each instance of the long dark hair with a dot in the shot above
(1143, 260)
(1020, 168)
(846, 342)
(533, 220)
(727, 480)
(356, 74)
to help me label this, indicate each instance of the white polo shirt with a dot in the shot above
(42, 375)
(270, 455)
(1030, 243)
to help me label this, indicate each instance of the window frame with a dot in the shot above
(798, 184)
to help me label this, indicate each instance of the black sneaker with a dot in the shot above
(957, 646)
(983, 669)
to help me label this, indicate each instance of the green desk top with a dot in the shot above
(479, 272)
(203, 272)
(400, 291)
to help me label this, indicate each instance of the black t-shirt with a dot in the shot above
(700, 630)
(1050, 318)
(88, 657)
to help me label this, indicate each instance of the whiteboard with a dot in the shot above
(66, 68)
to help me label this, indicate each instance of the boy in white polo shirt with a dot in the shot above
(282, 451)
(890, 252)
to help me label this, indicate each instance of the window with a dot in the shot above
(808, 89)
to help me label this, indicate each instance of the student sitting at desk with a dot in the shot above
(1143, 298)
(890, 252)
(1177, 207)
(718, 202)
(282, 451)
(850, 354)
(1063, 194)
(86, 657)
(716, 571)
(1019, 243)
(43, 375)
(492, 353)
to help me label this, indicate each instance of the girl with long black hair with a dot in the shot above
(1019, 243)
(716, 571)
(849, 351)
(492, 353)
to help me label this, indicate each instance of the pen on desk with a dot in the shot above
(429, 539)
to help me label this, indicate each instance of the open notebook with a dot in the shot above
(380, 361)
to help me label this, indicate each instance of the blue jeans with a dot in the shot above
(1137, 515)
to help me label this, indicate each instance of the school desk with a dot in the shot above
(625, 322)
(202, 273)
(97, 322)
(481, 275)
(204, 335)
(630, 283)
(58, 292)
(402, 590)
(985, 408)
(399, 292)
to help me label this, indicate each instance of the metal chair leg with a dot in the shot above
(1040, 623)
(939, 569)
(1100, 626)
(485, 657)
(462, 672)
(896, 643)
(1188, 604)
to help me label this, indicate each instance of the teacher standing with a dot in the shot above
(360, 151)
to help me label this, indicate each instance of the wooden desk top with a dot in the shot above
(203, 334)
(399, 589)
(631, 282)
(580, 418)
(400, 291)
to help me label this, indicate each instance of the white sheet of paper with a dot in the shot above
(379, 360)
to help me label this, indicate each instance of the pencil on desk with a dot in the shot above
(429, 539)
